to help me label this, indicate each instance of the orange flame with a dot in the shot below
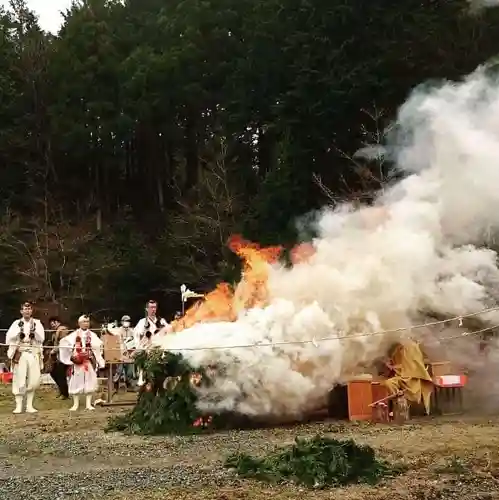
(216, 306)
(252, 289)
(225, 303)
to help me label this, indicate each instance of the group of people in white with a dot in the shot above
(76, 356)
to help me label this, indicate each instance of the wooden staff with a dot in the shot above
(387, 398)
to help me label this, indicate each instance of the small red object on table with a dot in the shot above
(451, 381)
(448, 394)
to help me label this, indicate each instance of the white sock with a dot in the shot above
(88, 402)
(76, 402)
(29, 402)
(19, 404)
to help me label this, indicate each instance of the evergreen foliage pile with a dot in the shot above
(167, 402)
(315, 463)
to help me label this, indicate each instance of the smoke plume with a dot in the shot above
(420, 251)
(477, 5)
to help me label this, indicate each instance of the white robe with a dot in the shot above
(139, 332)
(83, 378)
(27, 372)
(142, 343)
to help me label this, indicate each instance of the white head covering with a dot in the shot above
(83, 317)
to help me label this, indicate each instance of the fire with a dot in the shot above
(225, 303)
(252, 289)
(216, 306)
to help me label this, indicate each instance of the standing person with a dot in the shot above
(149, 325)
(25, 338)
(58, 370)
(144, 330)
(126, 334)
(81, 350)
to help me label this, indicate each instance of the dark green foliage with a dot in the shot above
(160, 410)
(316, 463)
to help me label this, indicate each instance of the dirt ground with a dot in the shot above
(55, 454)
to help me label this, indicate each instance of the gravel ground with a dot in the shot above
(103, 484)
(55, 455)
(99, 482)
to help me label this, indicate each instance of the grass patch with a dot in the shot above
(315, 463)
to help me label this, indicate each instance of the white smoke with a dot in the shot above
(483, 4)
(418, 250)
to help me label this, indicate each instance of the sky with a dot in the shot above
(48, 12)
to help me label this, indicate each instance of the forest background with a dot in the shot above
(139, 138)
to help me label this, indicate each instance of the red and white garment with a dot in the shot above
(76, 351)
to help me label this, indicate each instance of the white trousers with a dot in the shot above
(26, 374)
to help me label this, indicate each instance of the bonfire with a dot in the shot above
(225, 302)
(168, 400)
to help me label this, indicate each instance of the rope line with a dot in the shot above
(314, 341)
(380, 332)
(347, 337)
(95, 330)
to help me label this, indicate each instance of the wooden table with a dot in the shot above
(447, 397)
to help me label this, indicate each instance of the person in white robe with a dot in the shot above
(82, 352)
(149, 325)
(146, 329)
(25, 338)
